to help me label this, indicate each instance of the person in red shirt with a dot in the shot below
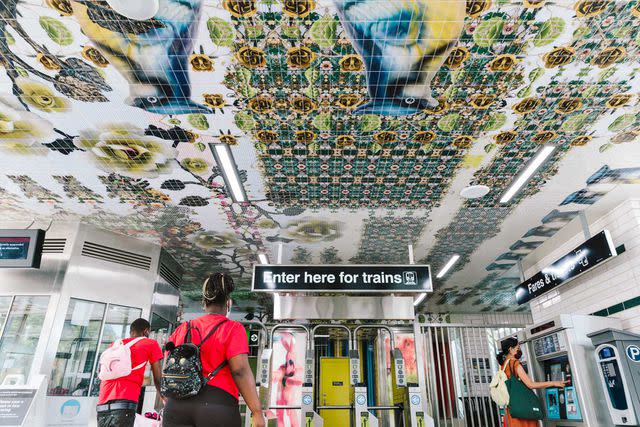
(217, 403)
(118, 398)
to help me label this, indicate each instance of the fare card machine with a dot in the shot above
(559, 350)
(617, 356)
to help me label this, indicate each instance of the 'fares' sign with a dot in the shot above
(594, 251)
(342, 278)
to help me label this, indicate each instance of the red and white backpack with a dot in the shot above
(115, 361)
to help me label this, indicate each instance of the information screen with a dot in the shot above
(14, 247)
(21, 248)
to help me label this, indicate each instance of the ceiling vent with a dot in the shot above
(171, 276)
(54, 246)
(118, 256)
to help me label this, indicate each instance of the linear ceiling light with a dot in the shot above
(419, 300)
(448, 265)
(224, 159)
(263, 259)
(533, 165)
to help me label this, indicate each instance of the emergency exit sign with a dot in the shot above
(342, 278)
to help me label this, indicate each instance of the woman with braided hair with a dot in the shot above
(217, 403)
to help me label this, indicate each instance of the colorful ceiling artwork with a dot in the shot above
(354, 127)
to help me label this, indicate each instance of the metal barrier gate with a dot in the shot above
(460, 361)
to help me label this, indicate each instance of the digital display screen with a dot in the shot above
(21, 248)
(556, 372)
(14, 247)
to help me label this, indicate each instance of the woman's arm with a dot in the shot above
(533, 384)
(243, 377)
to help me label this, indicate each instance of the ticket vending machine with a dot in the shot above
(560, 350)
(618, 362)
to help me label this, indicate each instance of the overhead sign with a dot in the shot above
(14, 406)
(342, 278)
(21, 248)
(591, 253)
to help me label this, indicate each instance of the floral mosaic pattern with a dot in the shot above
(110, 120)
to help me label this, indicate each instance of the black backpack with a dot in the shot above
(182, 372)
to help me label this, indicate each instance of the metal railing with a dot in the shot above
(460, 363)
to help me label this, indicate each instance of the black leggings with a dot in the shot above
(212, 406)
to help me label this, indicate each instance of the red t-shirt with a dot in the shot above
(228, 341)
(128, 388)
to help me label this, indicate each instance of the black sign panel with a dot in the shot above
(594, 251)
(342, 278)
(21, 248)
(14, 405)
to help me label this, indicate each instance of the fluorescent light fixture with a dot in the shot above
(263, 259)
(448, 265)
(225, 161)
(419, 300)
(522, 179)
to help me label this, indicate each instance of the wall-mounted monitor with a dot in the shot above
(21, 248)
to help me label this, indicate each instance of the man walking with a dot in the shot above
(122, 373)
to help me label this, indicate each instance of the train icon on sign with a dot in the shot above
(410, 278)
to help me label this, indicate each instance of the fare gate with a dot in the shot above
(307, 416)
(460, 361)
(258, 336)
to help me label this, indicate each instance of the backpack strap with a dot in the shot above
(513, 368)
(130, 344)
(224, 362)
(215, 371)
(211, 332)
(187, 336)
(133, 341)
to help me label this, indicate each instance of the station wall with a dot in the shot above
(612, 289)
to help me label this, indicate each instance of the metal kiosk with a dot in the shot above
(618, 361)
(58, 318)
(559, 350)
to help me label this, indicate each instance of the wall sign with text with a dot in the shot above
(342, 278)
(591, 253)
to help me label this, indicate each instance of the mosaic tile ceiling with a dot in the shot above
(354, 126)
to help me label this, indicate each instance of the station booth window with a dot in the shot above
(89, 328)
(21, 320)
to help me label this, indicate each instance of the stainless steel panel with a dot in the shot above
(339, 307)
(581, 354)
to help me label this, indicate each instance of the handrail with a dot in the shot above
(331, 326)
(333, 407)
(384, 408)
(385, 327)
(288, 326)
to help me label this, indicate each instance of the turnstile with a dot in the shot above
(258, 336)
(407, 399)
(307, 415)
(334, 391)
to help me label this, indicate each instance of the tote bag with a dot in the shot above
(523, 402)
